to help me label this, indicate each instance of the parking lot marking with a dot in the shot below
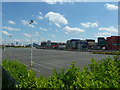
(33, 68)
(52, 64)
(46, 60)
(55, 65)
(57, 62)
(43, 66)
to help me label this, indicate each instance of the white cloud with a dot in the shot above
(89, 24)
(30, 25)
(56, 18)
(52, 35)
(5, 33)
(71, 30)
(86, 25)
(11, 22)
(55, 1)
(109, 29)
(44, 29)
(111, 6)
(40, 13)
(10, 28)
(58, 25)
(27, 23)
(40, 17)
(94, 25)
(103, 34)
(52, 1)
(34, 22)
(27, 35)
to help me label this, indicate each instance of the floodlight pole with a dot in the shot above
(31, 63)
(10, 47)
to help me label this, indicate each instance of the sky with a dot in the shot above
(58, 21)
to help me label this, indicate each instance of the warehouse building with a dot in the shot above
(77, 44)
(53, 45)
(101, 42)
(92, 45)
(113, 43)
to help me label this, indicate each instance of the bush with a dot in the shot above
(111, 53)
(101, 74)
(26, 78)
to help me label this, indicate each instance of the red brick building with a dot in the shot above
(113, 43)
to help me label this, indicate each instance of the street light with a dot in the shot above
(31, 63)
(10, 47)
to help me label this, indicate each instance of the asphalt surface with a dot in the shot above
(47, 60)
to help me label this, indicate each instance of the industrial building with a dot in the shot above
(52, 45)
(113, 43)
(77, 44)
(110, 43)
(92, 45)
(43, 44)
(102, 42)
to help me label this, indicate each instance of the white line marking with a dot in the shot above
(57, 65)
(33, 68)
(53, 64)
(26, 65)
(43, 66)
(57, 62)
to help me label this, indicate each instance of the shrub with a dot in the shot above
(113, 53)
(26, 78)
(101, 74)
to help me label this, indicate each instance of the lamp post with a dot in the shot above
(10, 47)
(31, 63)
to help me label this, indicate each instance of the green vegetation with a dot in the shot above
(25, 77)
(101, 74)
(111, 53)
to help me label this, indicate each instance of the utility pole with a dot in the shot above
(31, 63)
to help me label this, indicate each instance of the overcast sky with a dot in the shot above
(58, 21)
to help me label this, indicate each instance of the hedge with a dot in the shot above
(111, 53)
(101, 74)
